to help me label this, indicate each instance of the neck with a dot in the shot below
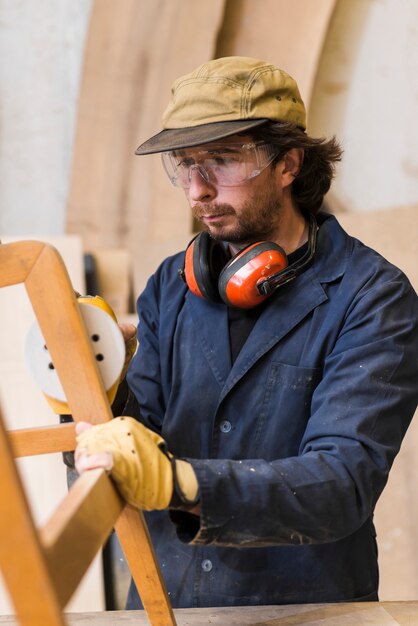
(293, 232)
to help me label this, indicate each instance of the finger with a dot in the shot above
(128, 331)
(81, 427)
(85, 462)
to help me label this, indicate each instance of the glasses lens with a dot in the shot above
(225, 165)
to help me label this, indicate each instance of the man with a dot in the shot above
(270, 399)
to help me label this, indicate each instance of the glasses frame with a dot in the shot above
(264, 155)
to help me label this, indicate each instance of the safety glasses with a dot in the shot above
(224, 165)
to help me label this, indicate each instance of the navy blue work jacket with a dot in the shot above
(292, 444)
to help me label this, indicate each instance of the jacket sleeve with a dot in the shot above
(360, 412)
(144, 374)
(147, 398)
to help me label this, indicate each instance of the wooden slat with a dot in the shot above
(42, 439)
(13, 273)
(78, 528)
(22, 561)
(139, 552)
(54, 302)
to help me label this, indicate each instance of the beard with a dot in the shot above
(257, 220)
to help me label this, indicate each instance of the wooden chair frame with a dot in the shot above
(43, 568)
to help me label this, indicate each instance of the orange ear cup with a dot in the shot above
(189, 273)
(239, 279)
(204, 261)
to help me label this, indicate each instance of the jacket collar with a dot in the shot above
(286, 308)
(334, 248)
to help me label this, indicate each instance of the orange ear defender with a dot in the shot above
(238, 281)
(249, 277)
(210, 275)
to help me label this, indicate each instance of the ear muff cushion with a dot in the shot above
(237, 284)
(205, 260)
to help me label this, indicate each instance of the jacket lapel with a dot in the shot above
(211, 324)
(287, 308)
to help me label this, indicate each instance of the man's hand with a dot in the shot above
(145, 473)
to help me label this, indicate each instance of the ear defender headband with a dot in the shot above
(249, 277)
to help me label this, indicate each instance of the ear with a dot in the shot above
(292, 163)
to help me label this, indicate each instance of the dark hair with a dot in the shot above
(318, 168)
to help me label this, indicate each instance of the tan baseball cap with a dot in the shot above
(224, 97)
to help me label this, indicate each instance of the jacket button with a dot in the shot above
(206, 565)
(225, 426)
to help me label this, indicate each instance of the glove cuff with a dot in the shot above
(185, 486)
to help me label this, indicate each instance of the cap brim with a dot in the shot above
(176, 138)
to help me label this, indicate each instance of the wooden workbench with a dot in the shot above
(344, 614)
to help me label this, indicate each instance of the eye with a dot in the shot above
(217, 161)
(223, 160)
(184, 163)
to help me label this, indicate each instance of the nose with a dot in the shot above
(200, 189)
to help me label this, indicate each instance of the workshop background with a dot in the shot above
(83, 82)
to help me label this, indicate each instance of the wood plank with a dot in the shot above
(282, 33)
(342, 614)
(113, 268)
(78, 528)
(132, 57)
(22, 561)
(42, 439)
(392, 232)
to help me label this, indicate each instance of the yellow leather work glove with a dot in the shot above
(145, 473)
